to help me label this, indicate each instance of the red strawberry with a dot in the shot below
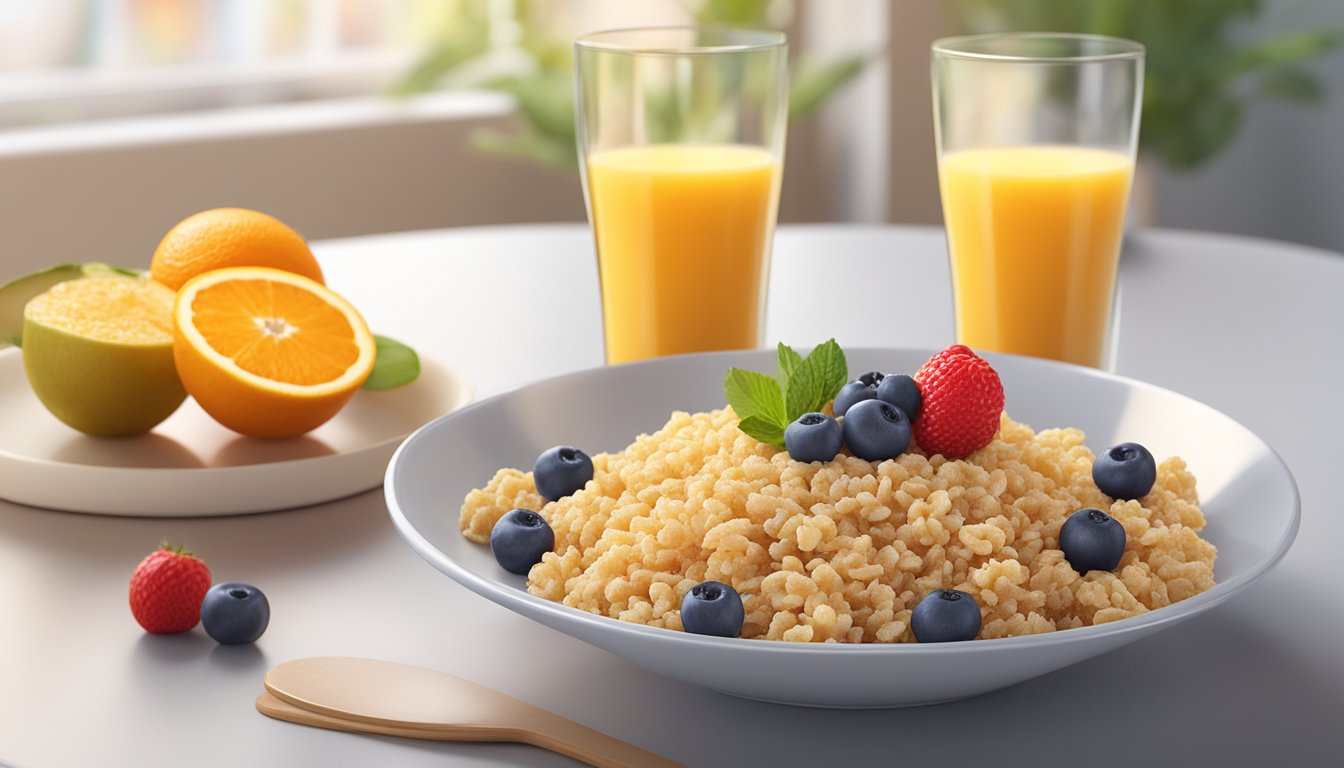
(963, 398)
(167, 589)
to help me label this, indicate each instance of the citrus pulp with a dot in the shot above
(266, 352)
(98, 353)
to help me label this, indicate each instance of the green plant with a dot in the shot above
(1199, 75)
(537, 70)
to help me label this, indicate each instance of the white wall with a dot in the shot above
(1283, 175)
(108, 192)
(1282, 178)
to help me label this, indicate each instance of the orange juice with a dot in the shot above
(683, 235)
(1034, 236)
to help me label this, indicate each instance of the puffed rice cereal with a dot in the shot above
(842, 551)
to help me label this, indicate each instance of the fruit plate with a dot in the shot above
(191, 466)
(1248, 495)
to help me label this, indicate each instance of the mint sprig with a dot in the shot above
(788, 363)
(767, 405)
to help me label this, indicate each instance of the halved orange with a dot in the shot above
(266, 352)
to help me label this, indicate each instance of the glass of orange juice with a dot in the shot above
(681, 140)
(1036, 138)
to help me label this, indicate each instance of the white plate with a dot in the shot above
(1248, 495)
(191, 466)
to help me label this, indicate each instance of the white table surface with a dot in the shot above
(1253, 328)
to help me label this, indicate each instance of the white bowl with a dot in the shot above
(1248, 495)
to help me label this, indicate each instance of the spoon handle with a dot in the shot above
(269, 705)
(398, 699)
(550, 731)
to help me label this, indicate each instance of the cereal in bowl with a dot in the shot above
(843, 550)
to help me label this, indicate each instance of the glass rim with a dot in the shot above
(962, 47)
(737, 40)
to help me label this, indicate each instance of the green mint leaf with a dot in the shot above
(394, 365)
(832, 368)
(752, 393)
(788, 361)
(763, 429)
(765, 406)
(803, 389)
(816, 380)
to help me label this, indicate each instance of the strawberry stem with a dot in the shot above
(178, 550)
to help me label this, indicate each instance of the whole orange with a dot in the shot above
(230, 237)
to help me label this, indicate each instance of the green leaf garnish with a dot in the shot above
(767, 405)
(816, 380)
(756, 393)
(788, 362)
(833, 369)
(394, 365)
(802, 389)
(763, 429)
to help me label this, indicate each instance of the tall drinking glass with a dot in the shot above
(681, 139)
(1036, 138)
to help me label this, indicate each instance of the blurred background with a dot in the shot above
(348, 117)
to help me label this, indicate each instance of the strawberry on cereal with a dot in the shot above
(962, 401)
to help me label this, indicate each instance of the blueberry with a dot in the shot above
(1092, 541)
(712, 608)
(1125, 471)
(851, 393)
(901, 391)
(945, 616)
(519, 539)
(871, 379)
(875, 430)
(560, 471)
(234, 613)
(813, 437)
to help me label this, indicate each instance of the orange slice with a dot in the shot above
(266, 352)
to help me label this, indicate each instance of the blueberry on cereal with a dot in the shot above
(813, 437)
(901, 391)
(712, 608)
(851, 393)
(871, 379)
(519, 539)
(945, 616)
(1092, 540)
(560, 471)
(1125, 471)
(876, 431)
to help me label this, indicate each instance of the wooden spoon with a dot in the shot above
(383, 697)
(269, 705)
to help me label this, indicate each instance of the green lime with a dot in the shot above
(98, 352)
(16, 294)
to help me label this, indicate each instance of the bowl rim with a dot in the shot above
(514, 598)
